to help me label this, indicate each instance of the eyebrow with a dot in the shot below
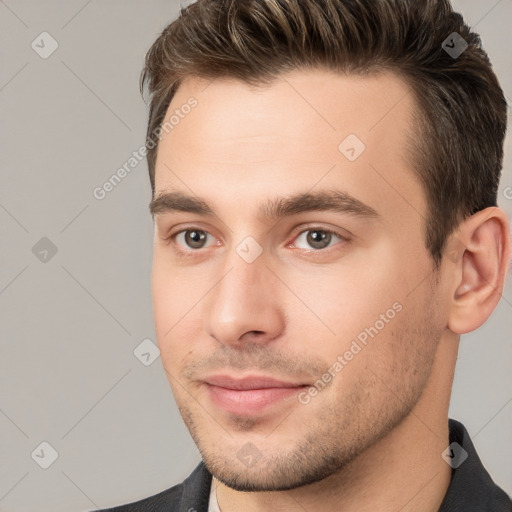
(325, 200)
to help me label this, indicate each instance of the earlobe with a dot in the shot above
(480, 265)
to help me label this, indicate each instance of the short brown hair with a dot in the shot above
(457, 150)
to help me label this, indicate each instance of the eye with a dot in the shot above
(317, 239)
(192, 238)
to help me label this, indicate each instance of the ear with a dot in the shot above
(479, 254)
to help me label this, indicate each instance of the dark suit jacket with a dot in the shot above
(471, 488)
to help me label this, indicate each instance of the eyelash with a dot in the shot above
(194, 252)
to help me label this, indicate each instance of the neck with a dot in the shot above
(403, 471)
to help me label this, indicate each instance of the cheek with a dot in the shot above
(348, 296)
(360, 312)
(175, 290)
(173, 308)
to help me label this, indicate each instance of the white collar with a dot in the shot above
(213, 504)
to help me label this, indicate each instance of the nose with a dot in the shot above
(244, 305)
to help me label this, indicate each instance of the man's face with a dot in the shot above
(338, 304)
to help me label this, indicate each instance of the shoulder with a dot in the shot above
(192, 493)
(471, 487)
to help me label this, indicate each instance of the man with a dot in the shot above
(324, 177)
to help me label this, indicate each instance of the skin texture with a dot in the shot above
(373, 437)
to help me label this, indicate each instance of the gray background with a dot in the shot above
(69, 325)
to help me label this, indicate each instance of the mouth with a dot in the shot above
(250, 394)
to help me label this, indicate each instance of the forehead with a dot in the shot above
(327, 100)
(304, 128)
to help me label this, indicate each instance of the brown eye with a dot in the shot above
(317, 239)
(194, 238)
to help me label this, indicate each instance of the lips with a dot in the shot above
(249, 382)
(250, 394)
